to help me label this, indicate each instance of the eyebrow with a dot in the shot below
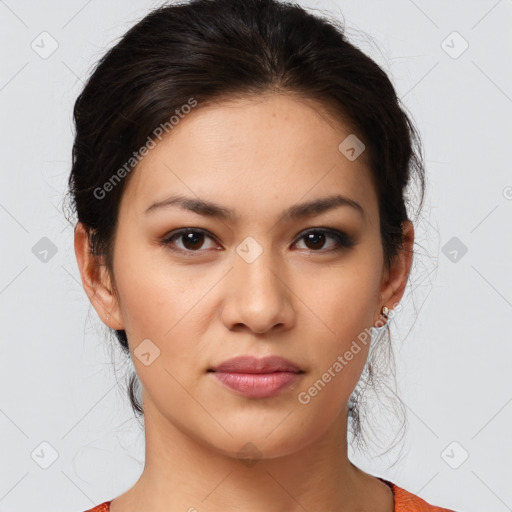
(299, 211)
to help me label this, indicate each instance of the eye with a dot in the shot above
(192, 239)
(316, 238)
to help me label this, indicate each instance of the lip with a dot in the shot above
(251, 364)
(257, 378)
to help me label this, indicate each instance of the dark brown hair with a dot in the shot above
(211, 50)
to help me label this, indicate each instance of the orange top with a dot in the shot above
(404, 502)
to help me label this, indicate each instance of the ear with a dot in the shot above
(394, 279)
(95, 280)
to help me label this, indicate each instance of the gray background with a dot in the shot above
(62, 404)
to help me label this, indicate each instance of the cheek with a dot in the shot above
(166, 304)
(341, 310)
(154, 296)
(160, 311)
(339, 355)
(344, 299)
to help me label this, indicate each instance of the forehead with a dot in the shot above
(269, 149)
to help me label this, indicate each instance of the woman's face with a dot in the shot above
(255, 282)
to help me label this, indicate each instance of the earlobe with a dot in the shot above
(395, 280)
(95, 280)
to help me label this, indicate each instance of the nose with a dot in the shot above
(257, 296)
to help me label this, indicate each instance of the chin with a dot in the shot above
(251, 444)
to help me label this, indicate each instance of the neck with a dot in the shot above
(183, 473)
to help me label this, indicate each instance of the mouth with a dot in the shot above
(254, 365)
(257, 378)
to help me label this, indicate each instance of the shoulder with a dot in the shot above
(405, 501)
(104, 507)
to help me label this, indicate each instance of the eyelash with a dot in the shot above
(343, 240)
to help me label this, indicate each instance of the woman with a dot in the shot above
(239, 172)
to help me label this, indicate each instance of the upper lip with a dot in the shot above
(251, 364)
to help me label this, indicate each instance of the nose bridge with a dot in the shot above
(257, 266)
(258, 272)
(258, 297)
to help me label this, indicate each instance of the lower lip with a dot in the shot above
(257, 385)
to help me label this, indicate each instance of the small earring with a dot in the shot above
(108, 316)
(384, 312)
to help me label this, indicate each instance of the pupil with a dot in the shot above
(193, 238)
(313, 237)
